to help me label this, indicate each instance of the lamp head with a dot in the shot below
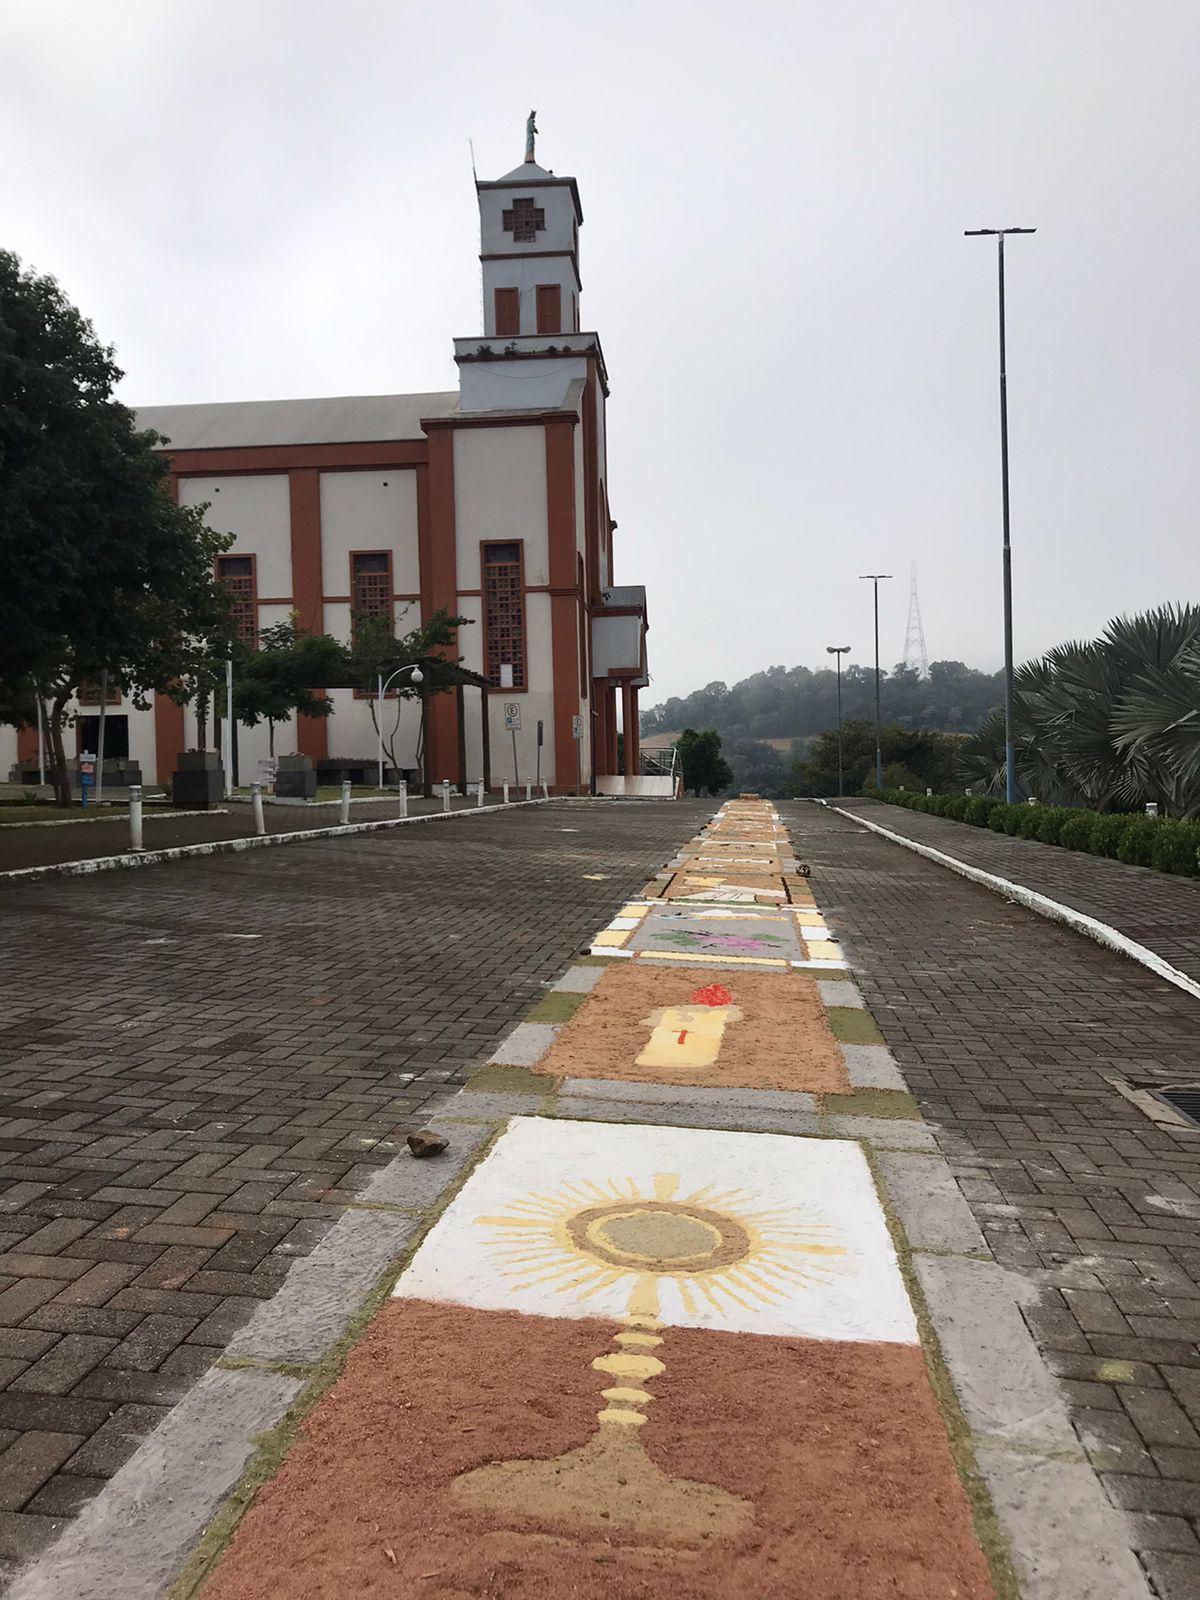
(417, 675)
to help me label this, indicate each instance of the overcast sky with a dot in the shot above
(272, 198)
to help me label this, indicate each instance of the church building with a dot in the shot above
(490, 501)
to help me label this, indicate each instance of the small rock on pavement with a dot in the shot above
(426, 1143)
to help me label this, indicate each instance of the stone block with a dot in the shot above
(872, 1066)
(198, 780)
(928, 1203)
(295, 778)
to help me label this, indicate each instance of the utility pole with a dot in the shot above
(876, 578)
(838, 651)
(1010, 773)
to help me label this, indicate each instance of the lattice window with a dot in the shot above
(237, 574)
(524, 221)
(371, 584)
(504, 612)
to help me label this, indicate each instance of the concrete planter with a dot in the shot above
(295, 778)
(198, 780)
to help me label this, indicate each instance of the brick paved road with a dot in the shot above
(1154, 908)
(37, 846)
(198, 1061)
(1003, 1024)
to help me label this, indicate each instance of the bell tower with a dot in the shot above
(529, 248)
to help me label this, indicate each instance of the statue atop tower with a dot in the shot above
(530, 135)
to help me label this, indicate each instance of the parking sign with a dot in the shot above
(512, 715)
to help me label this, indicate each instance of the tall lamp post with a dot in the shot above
(1010, 771)
(417, 677)
(838, 651)
(877, 578)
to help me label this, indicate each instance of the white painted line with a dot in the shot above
(1042, 904)
(220, 847)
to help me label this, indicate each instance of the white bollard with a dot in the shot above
(445, 794)
(506, 791)
(402, 788)
(479, 793)
(529, 791)
(135, 817)
(346, 801)
(545, 791)
(260, 827)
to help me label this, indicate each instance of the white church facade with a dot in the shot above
(490, 501)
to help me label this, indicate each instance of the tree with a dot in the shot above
(924, 756)
(704, 770)
(278, 679)
(100, 571)
(375, 653)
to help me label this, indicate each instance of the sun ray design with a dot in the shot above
(717, 1248)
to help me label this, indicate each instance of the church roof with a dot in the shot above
(530, 175)
(340, 419)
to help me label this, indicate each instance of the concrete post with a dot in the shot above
(445, 794)
(346, 801)
(505, 791)
(260, 826)
(135, 817)
(529, 791)
(545, 791)
(479, 793)
(402, 788)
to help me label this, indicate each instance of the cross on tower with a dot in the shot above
(524, 221)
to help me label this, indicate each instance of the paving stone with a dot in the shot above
(525, 1045)
(61, 1368)
(593, 1108)
(578, 980)
(928, 1203)
(26, 1465)
(1065, 1539)
(872, 1066)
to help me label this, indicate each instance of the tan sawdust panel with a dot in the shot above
(781, 1040)
(685, 883)
(835, 1451)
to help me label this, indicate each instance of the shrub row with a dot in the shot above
(1141, 841)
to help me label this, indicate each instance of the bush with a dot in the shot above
(1107, 831)
(1076, 831)
(1137, 841)
(956, 807)
(1175, 848)
(1050, 823)
(1028, 822)
(978, 809)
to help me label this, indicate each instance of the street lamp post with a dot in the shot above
(1010, 773)
(417, 677)
(877, 578)
(838, 651)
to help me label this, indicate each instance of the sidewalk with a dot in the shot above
(37, 845)
(691, 1305)
(1152, 908)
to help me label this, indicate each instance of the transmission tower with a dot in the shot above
(915, 653)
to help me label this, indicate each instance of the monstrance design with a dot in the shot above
(719, 1250)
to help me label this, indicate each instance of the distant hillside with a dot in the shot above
(785, 703)
(767, 721)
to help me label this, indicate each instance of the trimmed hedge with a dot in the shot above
(1163, 843)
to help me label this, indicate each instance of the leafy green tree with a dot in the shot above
(704, 769)
(926, 757)
(280, 678)
(99, 570)
(376, 652)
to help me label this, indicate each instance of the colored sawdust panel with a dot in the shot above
(696, 934)
(730, 887)
(692, 1026)
(460, 1455)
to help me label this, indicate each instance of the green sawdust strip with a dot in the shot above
(272, 1445)
(593, 961)
(555, 1007)
(851, 1025)
(872, 1103)
(991, 1537)
(507, 1080)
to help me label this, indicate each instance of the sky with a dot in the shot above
(273, 198)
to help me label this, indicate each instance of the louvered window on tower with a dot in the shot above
(237, 574)
(524, 221)
(504, 612)
(371, 588)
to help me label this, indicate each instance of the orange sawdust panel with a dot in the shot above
(740, 1029)
(690, 883)
(460, 1455)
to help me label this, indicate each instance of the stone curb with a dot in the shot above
(1054, 910)
(220, 847)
